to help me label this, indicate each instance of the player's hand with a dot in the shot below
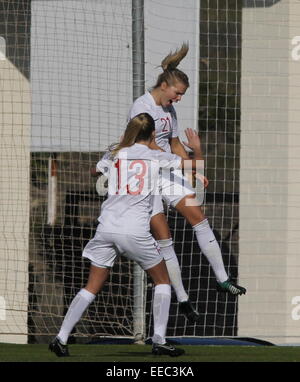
(205, 181)
(202, 179)
(193, 140)
(94, 172)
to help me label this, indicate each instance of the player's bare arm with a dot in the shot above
(178, 149)
(154, 146)
(194, 144)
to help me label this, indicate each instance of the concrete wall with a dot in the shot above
(269, 261)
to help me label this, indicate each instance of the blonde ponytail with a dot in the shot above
(171, 74)
(172, 60)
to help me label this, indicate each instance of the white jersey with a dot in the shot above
(133, 177)
(173, 189)
(165, 119)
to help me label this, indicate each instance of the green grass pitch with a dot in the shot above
(142, 353)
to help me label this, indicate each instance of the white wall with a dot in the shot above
(81, 69)
(269, 260)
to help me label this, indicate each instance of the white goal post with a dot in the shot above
(15, 102)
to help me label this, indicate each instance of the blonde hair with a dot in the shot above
(169, 64)
(138, 129)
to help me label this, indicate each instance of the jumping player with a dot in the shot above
(170, 87)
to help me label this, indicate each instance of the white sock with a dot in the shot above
(171, 260)
(161, 306)
(211, 249)
(78, 306)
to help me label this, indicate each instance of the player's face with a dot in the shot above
(172, 93)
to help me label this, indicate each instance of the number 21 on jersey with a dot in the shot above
(166, 125)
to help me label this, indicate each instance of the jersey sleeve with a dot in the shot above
(105, 163)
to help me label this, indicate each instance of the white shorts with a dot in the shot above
(105, 247)
(173, 186)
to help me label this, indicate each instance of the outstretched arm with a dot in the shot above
(194, 144)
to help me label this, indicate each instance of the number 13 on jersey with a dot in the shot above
(131, 176)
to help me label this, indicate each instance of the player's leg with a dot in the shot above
(144, 250)
(102, 254)
(78, 306)
(207, 242)
(82, 300)
(161, 232)
(97, 278)
(161, 306)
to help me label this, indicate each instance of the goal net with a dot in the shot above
(67, 87)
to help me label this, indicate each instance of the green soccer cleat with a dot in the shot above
(166, 349)
(230, 287)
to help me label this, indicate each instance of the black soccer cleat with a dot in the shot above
(230, 287)
(58, 348)
(187, 309)
(166, 349)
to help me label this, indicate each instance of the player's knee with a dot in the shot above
(159, 274)
(159, 227)
(191, 201)
(161, 278)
